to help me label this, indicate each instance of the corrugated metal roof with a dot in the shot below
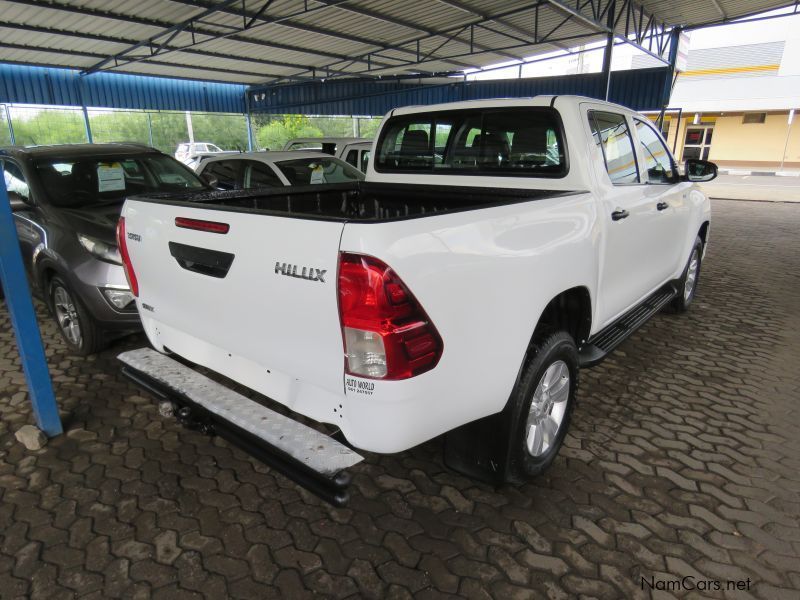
(297, 39)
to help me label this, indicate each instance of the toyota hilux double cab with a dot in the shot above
(495, 248)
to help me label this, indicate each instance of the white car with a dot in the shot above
(495, 248)
(355, 151)
(274, 169)
(187, 150)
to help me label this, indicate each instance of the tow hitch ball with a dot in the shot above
(187, 418)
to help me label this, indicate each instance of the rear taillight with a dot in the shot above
(122, 243)
(387, 334)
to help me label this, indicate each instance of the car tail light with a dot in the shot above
(387, 334)
(122, 242)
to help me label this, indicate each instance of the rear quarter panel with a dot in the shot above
(484, 278)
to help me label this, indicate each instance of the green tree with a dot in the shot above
(48, 126)
(273, 134)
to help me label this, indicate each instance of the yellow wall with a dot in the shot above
(757, 142)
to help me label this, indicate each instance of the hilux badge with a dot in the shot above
(309, 273)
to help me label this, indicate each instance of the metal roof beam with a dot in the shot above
(152, 41)
(397, 21)
(644, 24)
(210, 33)
(304, 27)
(95, 55)
(128, 41)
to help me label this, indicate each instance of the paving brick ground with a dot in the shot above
(683, 460)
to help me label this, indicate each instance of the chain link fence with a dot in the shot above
(164, 130)
(271, 132)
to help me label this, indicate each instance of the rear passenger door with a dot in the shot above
(627, 272)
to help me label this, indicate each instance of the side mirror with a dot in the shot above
(699, 170)
(16, 201)
(209, 179)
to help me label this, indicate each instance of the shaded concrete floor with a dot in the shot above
(683, 460)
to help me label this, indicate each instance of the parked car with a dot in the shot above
(328, 145)
(186, 150)
(275, 169)
(495, 248)
(66, 202)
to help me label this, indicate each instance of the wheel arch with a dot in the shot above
(570, 311)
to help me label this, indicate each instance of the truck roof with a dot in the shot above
(500, 102)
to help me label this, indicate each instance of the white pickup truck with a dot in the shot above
(495, 248)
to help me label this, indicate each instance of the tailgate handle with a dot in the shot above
(213, 263)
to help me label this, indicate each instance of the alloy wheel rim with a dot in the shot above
(691, 275)
(547, 410)
(67, 316)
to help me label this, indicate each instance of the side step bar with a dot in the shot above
(304, 455)
(601, 344)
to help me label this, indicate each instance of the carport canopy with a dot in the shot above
(257, 42)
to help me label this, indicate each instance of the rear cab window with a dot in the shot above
(517, 141)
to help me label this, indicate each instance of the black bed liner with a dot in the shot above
(357, 201)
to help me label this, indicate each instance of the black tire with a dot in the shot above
(521, 464)
(681, 302)
(90, 338)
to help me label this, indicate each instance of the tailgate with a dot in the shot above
(259, 302)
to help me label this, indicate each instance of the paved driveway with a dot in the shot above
(683, 460)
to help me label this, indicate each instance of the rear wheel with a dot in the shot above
(76, 325)
(688, 282)
(541, 406)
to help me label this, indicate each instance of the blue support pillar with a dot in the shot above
(23, 320)
(250, 139)
(87, 125)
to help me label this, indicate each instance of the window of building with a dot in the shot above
(610, 131)
(754, 118)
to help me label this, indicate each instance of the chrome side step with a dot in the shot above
(601, 344)
(308, 457)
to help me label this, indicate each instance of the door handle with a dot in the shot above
(619, 214)
(662, 206)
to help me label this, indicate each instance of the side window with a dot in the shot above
(15, 180)
(261, 176)
(364, 160)
(226, 172)
(352, 157)
(657, 159)
(610, 132)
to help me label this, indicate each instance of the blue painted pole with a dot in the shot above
(23, 320)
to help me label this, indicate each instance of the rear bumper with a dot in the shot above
(308, 457)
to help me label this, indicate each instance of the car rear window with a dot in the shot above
(310, 171)
(72, 182)
(520, 141)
